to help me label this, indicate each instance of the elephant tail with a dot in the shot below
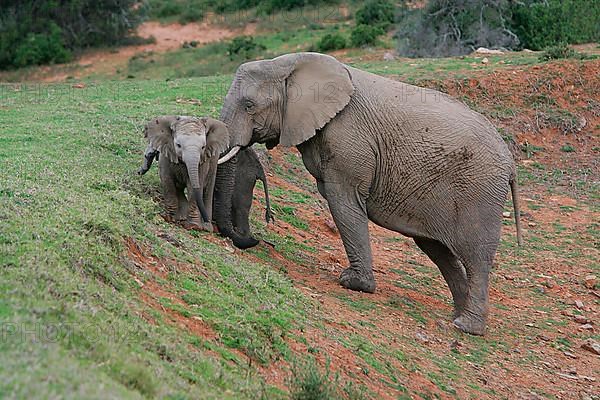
(268, 212)
(514, 189)
(263, 177)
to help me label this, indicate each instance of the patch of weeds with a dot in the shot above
(562, 344)
(441, 383)
(563, 120)
(308, 382)
(288, 214)
(567, 148)
(244, 48)
(561, 51)
(357, 303)
(135, 376)
(530, 150)
(409, 307)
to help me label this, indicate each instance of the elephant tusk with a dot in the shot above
(234, 150)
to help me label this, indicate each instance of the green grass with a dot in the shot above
(73, 316)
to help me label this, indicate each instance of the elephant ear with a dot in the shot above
(217, 137)
(318, 87)
(159, 134)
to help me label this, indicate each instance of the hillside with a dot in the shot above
(103, 299)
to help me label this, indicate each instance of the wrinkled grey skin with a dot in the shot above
(189, 148)
(249, 170)
(412, 160)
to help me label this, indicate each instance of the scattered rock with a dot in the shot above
(422, 337)
(586, 327)
(580, 319)
(579, 304)
(592, 346)
(331, 225)
(485, 60)
(483, 50)
(78, 86)
(569, 354)
(527, 51)
(531, 224)
(590, 281)
(506, 214)
(549, 284)
(543, 337)
(455, 344)
(174, 241)
(388, 56)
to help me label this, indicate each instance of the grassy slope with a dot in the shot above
(69, 200)
(104, 298)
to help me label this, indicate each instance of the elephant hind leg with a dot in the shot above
(451, 268)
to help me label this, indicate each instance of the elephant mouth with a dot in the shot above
(270, 144)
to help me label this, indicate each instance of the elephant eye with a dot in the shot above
(178, 145)
(249, 106)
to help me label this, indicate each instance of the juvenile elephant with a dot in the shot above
(248, 172)
(188, 149)
(160, 134)
(412, 160)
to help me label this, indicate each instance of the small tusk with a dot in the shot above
(234, 150)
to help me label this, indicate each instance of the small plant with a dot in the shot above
(39, 48)
(244, 47)
(365, 35)
(561, 50)
(567, 148)
(307, 382)
(192, 13)
(379, 13)
(332, 41)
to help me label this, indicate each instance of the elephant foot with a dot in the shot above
(470, 323)
(192, 226)
(355, 279)
(168, 218)
(244, 242)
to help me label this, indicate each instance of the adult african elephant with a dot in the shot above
(409, 159)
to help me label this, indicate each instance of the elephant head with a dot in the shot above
(191, 141)
(284, 101)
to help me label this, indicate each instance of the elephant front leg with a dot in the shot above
(350, 216)
(171, 200)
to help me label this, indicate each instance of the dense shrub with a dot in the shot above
(39, 31)
(378, 13)
(265, 6)
(454, 27)
(244, 47)
(540, 24)
(365, 35)
(39, 48)
(332, 41)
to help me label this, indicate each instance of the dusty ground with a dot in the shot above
(542, 308)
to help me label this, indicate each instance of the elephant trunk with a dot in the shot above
(224, 187)
(191, 163)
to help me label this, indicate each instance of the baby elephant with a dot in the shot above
(189, 149)
(248, 171)
(164, 134)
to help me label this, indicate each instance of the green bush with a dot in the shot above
(375, 13)
(40, 48)
(40, 31)
(540, 24)
(561, 50)
(244, 47)
(365, 35)
(332, 41)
